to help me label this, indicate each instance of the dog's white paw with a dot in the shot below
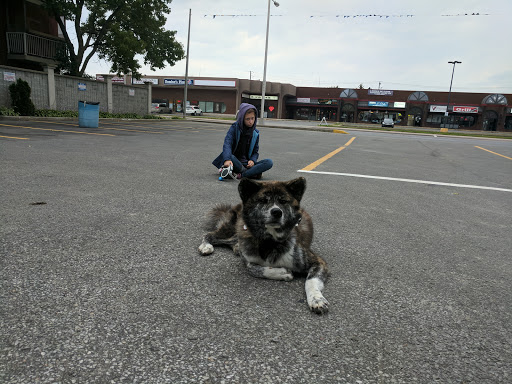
(319, 304)
(277, 274)
(316, 301)
(206, 249)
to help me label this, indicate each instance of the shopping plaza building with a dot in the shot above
(474, 111)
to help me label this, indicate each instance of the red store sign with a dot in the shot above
(466, 109)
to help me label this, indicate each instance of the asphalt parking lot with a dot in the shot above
(101, 281)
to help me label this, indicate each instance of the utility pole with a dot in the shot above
(264, 85)
(186, 67)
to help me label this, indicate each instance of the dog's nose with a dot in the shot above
(276, 213)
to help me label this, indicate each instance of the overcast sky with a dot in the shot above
(328, 43)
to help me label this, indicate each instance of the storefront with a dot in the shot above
(460, 116)
(271, 103)
(477, 111)
(376, 111)
(312, 109)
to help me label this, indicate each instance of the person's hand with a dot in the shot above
(228, 163)
(250, 164)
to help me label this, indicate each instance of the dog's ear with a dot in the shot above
(296, 187)
(247, 188)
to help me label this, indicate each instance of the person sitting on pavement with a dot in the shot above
(241, 146)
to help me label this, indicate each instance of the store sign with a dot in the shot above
(379, 92)
(438, 108)
(177, 82)
(82, 87)
(258, 97)
(145, 80)
(383, 104)
(216, 83)
(305, 100)
(465, 109)
(399, 104)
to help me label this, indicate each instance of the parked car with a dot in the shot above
(194, 110)
(160, 108)
(154, 107)
(388, 123)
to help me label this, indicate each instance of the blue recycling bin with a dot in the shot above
(88, 114)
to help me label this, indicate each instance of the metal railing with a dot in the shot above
(21, 43)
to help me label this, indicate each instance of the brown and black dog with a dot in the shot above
(272, 233)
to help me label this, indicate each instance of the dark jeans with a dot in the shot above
(258, 167)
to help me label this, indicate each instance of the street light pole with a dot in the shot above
(264, 86)
(185, 96)
(450, 91)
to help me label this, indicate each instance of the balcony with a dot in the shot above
(30, 47)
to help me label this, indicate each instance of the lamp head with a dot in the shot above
(275, 3)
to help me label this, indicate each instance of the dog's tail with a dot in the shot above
(221, 214)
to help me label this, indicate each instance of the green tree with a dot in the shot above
(117, 31)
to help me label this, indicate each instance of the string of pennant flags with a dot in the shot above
(352, 16)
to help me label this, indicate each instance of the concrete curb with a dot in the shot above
(340, 130)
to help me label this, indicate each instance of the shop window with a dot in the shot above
(208, 107)
(418, 96)
(508, 123)
(212, 106)
(454, 121)
(219, 107)
(348, 94)
(495, 99)
(371, 117)
(434, 119)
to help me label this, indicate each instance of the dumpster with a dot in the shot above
(88, 114)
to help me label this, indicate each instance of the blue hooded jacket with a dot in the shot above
(233, 137)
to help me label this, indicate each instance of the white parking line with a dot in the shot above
(409, 180)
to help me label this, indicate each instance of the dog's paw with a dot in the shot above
(278, 274)
(205, 249)
(319, 305)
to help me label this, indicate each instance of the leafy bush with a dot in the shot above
(54, 113)
(103, 115)
(20, 98)
(4, 111)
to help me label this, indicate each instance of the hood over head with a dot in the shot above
(244, 107)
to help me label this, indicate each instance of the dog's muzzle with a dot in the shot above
(276, 213)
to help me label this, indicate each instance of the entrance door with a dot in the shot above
(490, 122)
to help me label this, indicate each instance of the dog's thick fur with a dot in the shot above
(272, 233)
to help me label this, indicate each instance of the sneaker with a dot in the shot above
(257, 177)
(237, 176)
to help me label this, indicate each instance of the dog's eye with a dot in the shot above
(264, 199)
(282, 200)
